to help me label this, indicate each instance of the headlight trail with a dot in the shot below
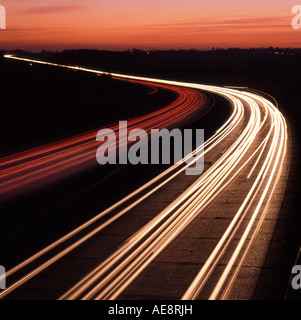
(265, 182)
(259, 147)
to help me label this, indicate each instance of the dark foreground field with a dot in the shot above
(41, 104)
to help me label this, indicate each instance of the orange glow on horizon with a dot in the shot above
(152, 24)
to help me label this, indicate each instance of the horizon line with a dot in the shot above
(152, 50)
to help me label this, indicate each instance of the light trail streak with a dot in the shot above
(273, 162)
(263, 139)
(148, 250)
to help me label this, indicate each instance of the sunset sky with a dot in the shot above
(148, 24)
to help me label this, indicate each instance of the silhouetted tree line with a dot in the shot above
(154, 59)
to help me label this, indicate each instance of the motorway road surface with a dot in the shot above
(199, 237)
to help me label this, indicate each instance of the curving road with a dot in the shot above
(245, 160)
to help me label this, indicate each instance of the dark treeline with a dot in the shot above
(168, 62)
